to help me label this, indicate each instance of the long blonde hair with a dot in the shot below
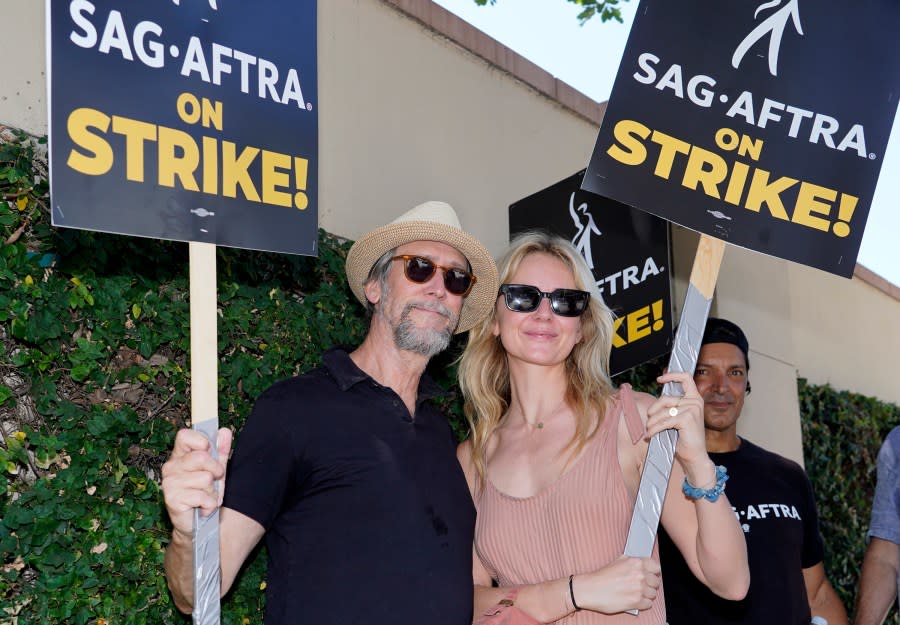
(483, 368)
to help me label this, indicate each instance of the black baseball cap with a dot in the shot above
(724, 331)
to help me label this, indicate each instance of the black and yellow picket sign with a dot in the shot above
(628, 253)
(762, 123)
(189, 121)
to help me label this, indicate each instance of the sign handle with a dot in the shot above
(205, 419)
(661, 453)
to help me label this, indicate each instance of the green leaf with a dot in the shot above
(5, 394)
(98, 425)
(81, 372)
(18, 328)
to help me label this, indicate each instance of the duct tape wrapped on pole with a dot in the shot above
(661, 453)
(205, 419)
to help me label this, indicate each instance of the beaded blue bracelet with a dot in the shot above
(710, 494)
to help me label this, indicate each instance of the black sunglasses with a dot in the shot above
(419, 269)
(525, 298)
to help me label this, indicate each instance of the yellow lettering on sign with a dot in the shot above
(211, 165)
(192, 110)
(638, 324)
(235, 171)
(809, 202)
(179, 157)
(136, 133)
(99, 157)
(769, 193)
(741, 184)
(668, 147)
(627, 133)
(274, 176)
(705, 168)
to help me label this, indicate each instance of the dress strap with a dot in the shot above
(632, 415)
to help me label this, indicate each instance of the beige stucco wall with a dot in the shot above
(846, 333)
(406, 115)
(23, 90)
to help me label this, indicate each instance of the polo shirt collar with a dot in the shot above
(345, 372)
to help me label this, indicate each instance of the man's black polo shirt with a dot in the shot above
(367, 514)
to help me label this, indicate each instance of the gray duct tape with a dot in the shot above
(661, 453)
(207, 574)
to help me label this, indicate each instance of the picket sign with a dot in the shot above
(205, 419)
(777, 189)
(101, 76)
(661, 453)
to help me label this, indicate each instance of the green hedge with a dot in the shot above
(842, 433)
(94, 384)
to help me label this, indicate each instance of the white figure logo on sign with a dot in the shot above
(773, 25)
(582, 238)
(212, 4)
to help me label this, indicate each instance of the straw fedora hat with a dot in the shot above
(431, 221)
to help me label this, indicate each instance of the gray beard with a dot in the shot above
(425, 342)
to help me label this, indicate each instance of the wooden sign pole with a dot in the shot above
(658, 465)
(205, 419)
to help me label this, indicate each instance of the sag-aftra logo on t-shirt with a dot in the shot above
(765, 511)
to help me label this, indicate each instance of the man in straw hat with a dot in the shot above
(347, 470)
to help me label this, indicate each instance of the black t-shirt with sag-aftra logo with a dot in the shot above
(773, 501)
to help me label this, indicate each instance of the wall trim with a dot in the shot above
(871, 278)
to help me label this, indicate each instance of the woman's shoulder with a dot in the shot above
(466, 461)
(464, 452)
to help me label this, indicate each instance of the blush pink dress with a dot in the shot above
(577, 525)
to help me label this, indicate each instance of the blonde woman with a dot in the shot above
(556, 451)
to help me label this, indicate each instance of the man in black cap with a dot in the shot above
(772, 499)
